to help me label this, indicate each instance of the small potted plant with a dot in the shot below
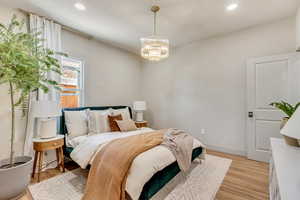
(24, 64)
(288, 110)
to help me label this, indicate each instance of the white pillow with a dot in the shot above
(76, 122)
(124, 112)
(98, 121)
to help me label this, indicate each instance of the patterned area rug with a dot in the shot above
(200, 183)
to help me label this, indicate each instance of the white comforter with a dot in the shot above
(144, 165)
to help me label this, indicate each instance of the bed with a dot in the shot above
(158, 180)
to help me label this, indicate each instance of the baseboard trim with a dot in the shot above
(226, 150)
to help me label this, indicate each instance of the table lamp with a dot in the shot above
(46, 113)
(291, 130)
(139, 107)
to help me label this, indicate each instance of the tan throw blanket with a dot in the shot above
(180, 144)
(108, 174)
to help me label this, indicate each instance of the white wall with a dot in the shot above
(112, 75)
(5, 112)
(202, 84)
(298, 30)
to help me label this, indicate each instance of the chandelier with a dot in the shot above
(154, 48)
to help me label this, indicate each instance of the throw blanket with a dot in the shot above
(143, 167)
(181, 145)
(107, 177)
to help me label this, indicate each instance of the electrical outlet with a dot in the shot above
(203, 131)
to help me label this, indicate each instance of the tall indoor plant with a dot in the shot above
(24, 64)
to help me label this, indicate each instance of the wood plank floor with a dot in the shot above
(245, 180)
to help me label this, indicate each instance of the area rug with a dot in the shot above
(201, 182)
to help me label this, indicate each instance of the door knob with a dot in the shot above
(250, 114)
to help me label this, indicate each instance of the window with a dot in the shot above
(72, 83)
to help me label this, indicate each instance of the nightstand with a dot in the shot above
(42, 145)
(141, 124)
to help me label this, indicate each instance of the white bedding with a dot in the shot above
(73, 142)
(144, 165)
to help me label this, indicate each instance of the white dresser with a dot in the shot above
(284, 171)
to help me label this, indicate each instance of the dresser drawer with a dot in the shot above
(44, 146)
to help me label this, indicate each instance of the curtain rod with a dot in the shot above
(67, 28)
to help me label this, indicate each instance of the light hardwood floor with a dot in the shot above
(245, 180)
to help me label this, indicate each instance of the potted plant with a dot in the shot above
(24, 64)
(288, 110)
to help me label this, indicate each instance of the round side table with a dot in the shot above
(42, 145)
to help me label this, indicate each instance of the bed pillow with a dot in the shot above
(124, 112)
(126, 125)
(98, 121)
(76, 122)
(112, 122)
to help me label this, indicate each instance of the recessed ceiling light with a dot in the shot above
(79, 6)
(232, 6)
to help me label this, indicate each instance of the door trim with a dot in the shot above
(250, 125)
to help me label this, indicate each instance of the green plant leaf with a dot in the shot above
(24, 62)
(285, 107)
(297, 105)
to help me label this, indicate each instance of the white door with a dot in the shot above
(269, 79)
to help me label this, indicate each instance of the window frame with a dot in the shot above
(81, 89)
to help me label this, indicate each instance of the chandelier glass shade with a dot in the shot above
(154, 48)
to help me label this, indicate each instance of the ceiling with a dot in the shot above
(123, 22)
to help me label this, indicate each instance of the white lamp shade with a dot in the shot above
(292, 127)
(47, 128)
(139, 106)
(45, 108)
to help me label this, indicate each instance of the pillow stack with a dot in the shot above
(120, 120)
(89, 122)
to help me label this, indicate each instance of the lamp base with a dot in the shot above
(291, 141)
(139, 117)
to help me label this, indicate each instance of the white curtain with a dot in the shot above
(51, 35)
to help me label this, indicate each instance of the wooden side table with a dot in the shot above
(141, 124)
(42, 145)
